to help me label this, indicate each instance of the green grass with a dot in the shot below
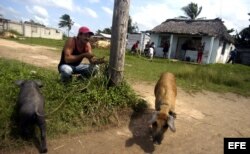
(70, 108)
(191, 77)
(213, 77)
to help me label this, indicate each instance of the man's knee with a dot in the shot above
(66, 72)
(66, 69)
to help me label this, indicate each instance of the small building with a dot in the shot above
(132, 38)
(243, 55)
(102, 36)
(101, 40)
(184, 36)
(3, 24)
(30, 29)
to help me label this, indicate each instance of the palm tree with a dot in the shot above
(66, 22)
(192, 11)
(132, 28)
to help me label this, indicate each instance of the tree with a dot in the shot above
(243, 37)
(118, 41)
(66, 22)
(105, 30)
(132, 28)
(230, 30)
(192, 10)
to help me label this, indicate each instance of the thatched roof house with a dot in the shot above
(213, 27)
(212, 33)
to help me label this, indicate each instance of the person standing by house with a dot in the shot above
(146, 50)
(153, 46)
(151, 53)
(200, 53)
(135, 47)
(165, 49)
(75, 49)
(232, 57)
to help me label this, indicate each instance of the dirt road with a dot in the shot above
(203, 119)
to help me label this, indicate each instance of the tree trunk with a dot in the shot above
(118, 41)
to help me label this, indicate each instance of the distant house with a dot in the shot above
(132, 38)
(243, 55)
(29, 29)
(184, 37)
(102, 36)
(101, 40)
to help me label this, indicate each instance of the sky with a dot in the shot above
(97, 14)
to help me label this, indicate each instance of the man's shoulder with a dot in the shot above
(71, 38)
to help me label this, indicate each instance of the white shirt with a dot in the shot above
(151, 50)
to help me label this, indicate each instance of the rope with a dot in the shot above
(117, 70)
(72, 91)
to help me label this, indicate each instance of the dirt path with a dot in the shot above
(203, 119)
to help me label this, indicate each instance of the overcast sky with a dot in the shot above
(97, 14)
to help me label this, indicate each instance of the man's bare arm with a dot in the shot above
(68, 50)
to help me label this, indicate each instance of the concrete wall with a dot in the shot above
(43, 32)
(15, 26)
(132, 38)
(29, 30)
(223, 58)
(216, 56)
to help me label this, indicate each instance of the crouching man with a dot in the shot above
(75, 49)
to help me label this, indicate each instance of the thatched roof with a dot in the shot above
(202, 27)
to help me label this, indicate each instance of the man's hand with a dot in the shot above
(88, 55)
(95, 60)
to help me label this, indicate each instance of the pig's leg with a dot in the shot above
(42, 126)
(24, 126)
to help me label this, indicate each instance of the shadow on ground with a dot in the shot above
(139, 127)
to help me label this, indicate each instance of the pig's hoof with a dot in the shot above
(44, 150)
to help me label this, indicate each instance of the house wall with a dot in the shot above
(156, 39)
(223, 58)
(158, 49)
(174, 46)
(216, 56)
(132, 38)
(215, 50)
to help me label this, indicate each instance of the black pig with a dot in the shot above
(31, 109)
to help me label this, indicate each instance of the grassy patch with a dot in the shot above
(192, 77)
(213, 77)
(70, 108)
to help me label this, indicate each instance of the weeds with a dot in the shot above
(69, 107)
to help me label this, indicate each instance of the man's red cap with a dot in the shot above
(85, 30)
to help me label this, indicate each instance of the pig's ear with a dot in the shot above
(19, 82)
(39, 83)
(170, 123)
(154, 117)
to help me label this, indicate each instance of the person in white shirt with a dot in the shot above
(151, 53)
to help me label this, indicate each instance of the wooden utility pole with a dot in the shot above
(118, 41)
